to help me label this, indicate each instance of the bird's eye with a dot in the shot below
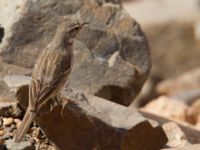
(76, 28)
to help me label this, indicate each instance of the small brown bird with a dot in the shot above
(51, 71)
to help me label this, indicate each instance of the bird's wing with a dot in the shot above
(52, 89)
(49, 76)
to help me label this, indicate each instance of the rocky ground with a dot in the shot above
(179, 103)
(11, 116)
(112, 62)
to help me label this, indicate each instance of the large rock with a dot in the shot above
(86, 122)
(111, 54)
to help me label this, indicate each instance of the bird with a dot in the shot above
(51, 70)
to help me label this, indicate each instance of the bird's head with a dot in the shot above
(69, 28)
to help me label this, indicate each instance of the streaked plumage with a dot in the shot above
(51, 71)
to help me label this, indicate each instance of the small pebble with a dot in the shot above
(7, 136)
(18, 122)
(2, 132)
(32, 141)
(35, 132)
(7, 121)
(12, 127)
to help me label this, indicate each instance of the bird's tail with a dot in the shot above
(27, 120)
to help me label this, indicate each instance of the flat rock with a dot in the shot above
(192, 135)
(14, 81)
(112, 57)
(4, 89)
(176, 136)
(10, 69)
(167, 107)
(190, 147)
(187, 81)
(86, 122)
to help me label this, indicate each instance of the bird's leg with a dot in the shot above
(48, 106)
(74, 95)
(64, 104)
